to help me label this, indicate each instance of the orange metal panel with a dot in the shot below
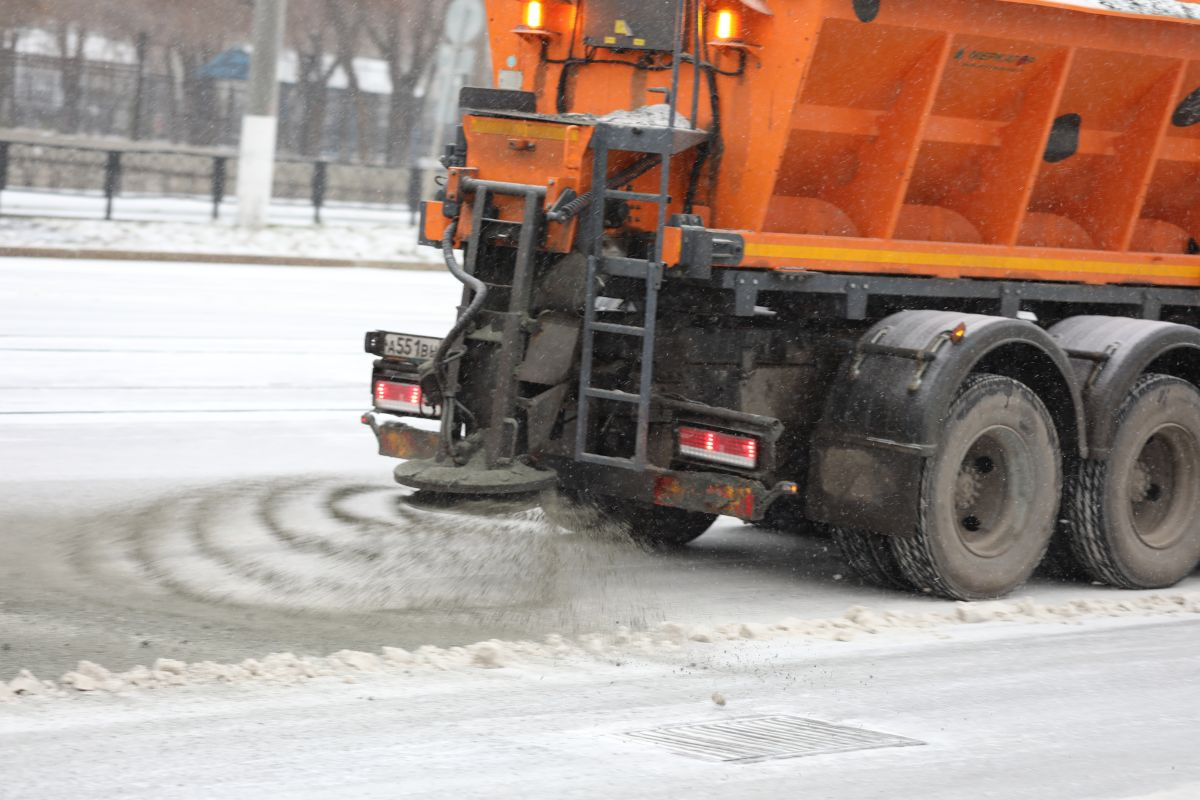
(911, 144)
(996, 204)
(874, 196)
(937, 259)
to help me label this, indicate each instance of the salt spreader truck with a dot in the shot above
(923, 272)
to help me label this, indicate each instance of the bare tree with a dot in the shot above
(192, 34)
(308, 35)
(73, 23)
(348, 20)
(15, 17)
(406, 34)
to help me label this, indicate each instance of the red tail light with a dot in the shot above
(397, 396)
(722, 448)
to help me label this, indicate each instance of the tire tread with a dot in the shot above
(871, 557)
(1089, 545)
(914, 554)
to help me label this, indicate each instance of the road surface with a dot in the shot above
(183, 476)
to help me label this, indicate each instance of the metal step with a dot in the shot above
(612, 394)
(651, 138)
(612, 327)
(625, 267)
(609, 461)
(648, 197)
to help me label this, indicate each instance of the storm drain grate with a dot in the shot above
(760, 738)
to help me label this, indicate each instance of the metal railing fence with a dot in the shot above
(150, 170)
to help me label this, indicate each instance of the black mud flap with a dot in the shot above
(1110, 354)
(885, 410)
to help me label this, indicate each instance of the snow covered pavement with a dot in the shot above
(175, 225)
(183, 479)
(1107, 711)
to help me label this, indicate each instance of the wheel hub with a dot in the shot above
(987, 501)
(1160, 487)
(1140, 483)
(966, 490)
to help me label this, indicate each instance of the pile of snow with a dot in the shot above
(391, 242)
(1153, 8)
(288, 668)
(655, 116)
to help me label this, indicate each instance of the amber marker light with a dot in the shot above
(533, 14)
(959, 333)
(726, 25)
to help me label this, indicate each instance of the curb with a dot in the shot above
(213, 258)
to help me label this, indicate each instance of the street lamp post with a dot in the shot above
(256, 162)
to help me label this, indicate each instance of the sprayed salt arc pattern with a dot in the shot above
(324, 545)
(748, 739)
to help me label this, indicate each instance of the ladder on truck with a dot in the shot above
(664, 143)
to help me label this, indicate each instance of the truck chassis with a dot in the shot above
(616, 347)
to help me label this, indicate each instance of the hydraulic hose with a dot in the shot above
(472, 310)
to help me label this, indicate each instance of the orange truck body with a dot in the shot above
(913, 145)
(896, 268)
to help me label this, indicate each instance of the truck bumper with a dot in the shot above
(399, 440)
(708, 492)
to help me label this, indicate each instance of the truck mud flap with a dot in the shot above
(885, 410)
(398, 440)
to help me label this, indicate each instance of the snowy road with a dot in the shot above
(1109, 712)
(183, 475)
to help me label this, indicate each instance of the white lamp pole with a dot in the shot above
(256, 163)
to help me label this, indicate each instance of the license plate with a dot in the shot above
(402, 345)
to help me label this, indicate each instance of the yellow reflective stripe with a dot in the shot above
(965, 261)
(519, 128)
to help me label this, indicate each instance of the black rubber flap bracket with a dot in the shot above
(1064, 138)
(866, 10)
(1187, 113)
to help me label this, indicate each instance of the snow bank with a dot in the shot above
(857, 622)
(360, 242)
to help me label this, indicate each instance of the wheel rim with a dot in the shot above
(994, 487)
(1163, 491)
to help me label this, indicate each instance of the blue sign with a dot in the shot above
(231, 65)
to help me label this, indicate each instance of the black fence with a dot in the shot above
(160, 172)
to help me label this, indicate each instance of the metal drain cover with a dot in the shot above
(761, 738)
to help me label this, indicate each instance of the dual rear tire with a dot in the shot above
(1134, 518)
(990, 498)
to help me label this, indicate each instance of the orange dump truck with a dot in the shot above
(925, 273)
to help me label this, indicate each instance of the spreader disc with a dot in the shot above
(430, 475)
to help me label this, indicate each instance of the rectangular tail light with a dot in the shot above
(398, 396)
(718, 447)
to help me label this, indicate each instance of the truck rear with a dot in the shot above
(921, 272)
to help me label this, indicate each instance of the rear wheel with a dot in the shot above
(870, 556)
(1135, 518)
(989, 497)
